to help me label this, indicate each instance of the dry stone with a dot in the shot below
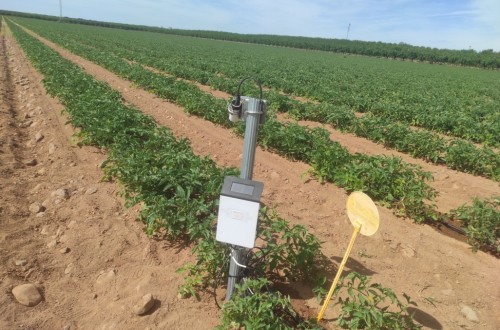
(39, 137)
(469, 313)
(26, 124)
(27, 294)
(70, 269)
(91, 190)
(45, 230)
(31, 162)
(61, 193)
(144, 305)
(52, 148)
(36, 208)
(408, 251)
(52, 244)
(106, 277)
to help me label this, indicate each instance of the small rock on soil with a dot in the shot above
(27, 294)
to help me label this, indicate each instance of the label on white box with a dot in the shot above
(237, 221)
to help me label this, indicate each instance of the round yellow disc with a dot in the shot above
(363, 212)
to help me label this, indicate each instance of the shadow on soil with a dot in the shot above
(354, 265)
(425, 319)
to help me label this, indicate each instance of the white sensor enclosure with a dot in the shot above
(238, 212)
(237, 222)
(234, 115)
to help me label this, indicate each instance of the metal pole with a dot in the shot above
(249, 146)
(60, 10)
(250, 139)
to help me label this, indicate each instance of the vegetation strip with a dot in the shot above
(387, 179)
(454, 101)
(458, 154)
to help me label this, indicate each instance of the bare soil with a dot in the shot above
(111, 264)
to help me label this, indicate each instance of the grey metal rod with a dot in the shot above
(249, 146)
(250, 140)
(234, 270)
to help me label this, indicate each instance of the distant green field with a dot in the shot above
(457, 101)
(484, 59)
(396, 96)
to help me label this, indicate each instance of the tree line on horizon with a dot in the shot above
(487, 59)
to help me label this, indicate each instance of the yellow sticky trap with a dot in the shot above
(363, 214)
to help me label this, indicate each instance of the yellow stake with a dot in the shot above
(339, 272)
(363, 214)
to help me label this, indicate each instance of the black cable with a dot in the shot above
(454, 228)
(259, 83)
(216, 284)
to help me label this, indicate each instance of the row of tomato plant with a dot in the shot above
(178, 189)
(179, 193)
(481, 221)
(458, 154)
(388, 180)
(461, 102)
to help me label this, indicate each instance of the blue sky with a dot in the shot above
(454, 24)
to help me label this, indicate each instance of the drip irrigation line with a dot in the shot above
(453, 228)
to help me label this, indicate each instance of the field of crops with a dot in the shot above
(442, 114)
(445, 100)
(396, 97)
